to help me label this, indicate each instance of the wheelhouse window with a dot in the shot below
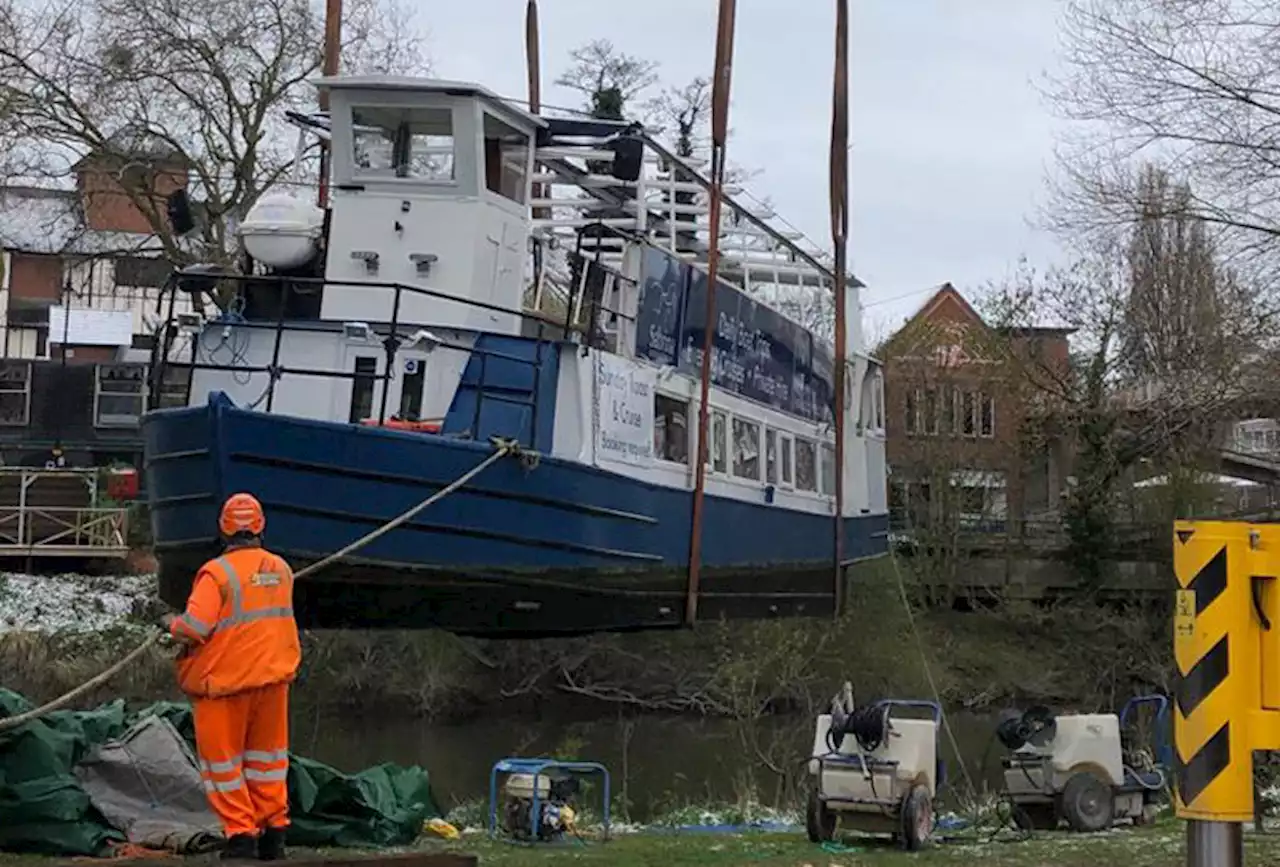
(366, 374)
(785, 444)
(506, 160)
(671, 429)
(746, 449)
(406, 143)
(806, 465)
(119, 395)
(15, 393)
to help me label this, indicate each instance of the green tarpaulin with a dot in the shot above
(44, 809)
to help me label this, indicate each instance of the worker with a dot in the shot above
(240, 654)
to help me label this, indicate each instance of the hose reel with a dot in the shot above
(1035, 726)
(868, 724)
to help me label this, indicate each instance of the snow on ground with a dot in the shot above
(73, 603)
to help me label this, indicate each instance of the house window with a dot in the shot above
(718, 455)
(746, 449)
(913, 410)
(931, 411)
(410, 143)
(415, 370)
(987, 416)
(142, 271)
(949, 398)
(771, 456)
(119, 395)
(175, 386)
(784, 454)
(506, 155)
(671, 429)
(15, 393)
(828, 470)
(969, 413)
(806, 465)
(366, 371)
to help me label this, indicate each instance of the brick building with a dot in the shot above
(965, 438)
(81, 274)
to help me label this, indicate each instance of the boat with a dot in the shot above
(483, 276)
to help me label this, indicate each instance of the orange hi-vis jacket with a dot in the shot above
(240, 616)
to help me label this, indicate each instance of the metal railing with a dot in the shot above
(58, 531)
(393, 334)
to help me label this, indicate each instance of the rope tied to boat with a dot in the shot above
(503, 447)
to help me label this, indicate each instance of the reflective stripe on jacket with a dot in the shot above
(240, 620)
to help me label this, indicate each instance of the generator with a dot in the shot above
(554, 814)
(1079, 768)
(875, 770)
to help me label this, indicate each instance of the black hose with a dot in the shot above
(868, 724)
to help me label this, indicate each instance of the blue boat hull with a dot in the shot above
(555, 548)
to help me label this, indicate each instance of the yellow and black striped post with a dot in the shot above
(1226, 603)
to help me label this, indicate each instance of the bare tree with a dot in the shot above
(163, 86)
(1194, 85)
(607, 78)
(1163, 343)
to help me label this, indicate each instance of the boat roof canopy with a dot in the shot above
(408, 84)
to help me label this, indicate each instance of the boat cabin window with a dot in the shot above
(828, 470)
(411, 389)
(778, 458)
(410, 143)
(366, 373)
(806, 465)
(506, 160)
(746, 449)
(671, 429)
(718, 455)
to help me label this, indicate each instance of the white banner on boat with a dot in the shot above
(624, 410)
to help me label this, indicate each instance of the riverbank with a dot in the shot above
(56, 632)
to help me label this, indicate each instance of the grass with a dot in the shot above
(1160, 846)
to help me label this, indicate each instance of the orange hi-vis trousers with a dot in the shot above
(243, 742)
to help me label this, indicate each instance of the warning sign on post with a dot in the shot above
(624, 410)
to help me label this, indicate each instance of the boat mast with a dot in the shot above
(329, 67)
(721, 77)
(839, 169)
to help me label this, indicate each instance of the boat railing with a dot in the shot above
(393, 334)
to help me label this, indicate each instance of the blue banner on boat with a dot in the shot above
(756, 351)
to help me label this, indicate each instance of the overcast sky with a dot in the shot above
(951, 140)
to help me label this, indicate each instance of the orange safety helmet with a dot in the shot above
(242, 513)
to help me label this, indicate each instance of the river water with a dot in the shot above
(658, 763)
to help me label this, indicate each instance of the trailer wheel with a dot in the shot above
(1088, 804)
(819, 821)
(917, 819)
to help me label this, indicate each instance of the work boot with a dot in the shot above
(240, 847)
(271, 845)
